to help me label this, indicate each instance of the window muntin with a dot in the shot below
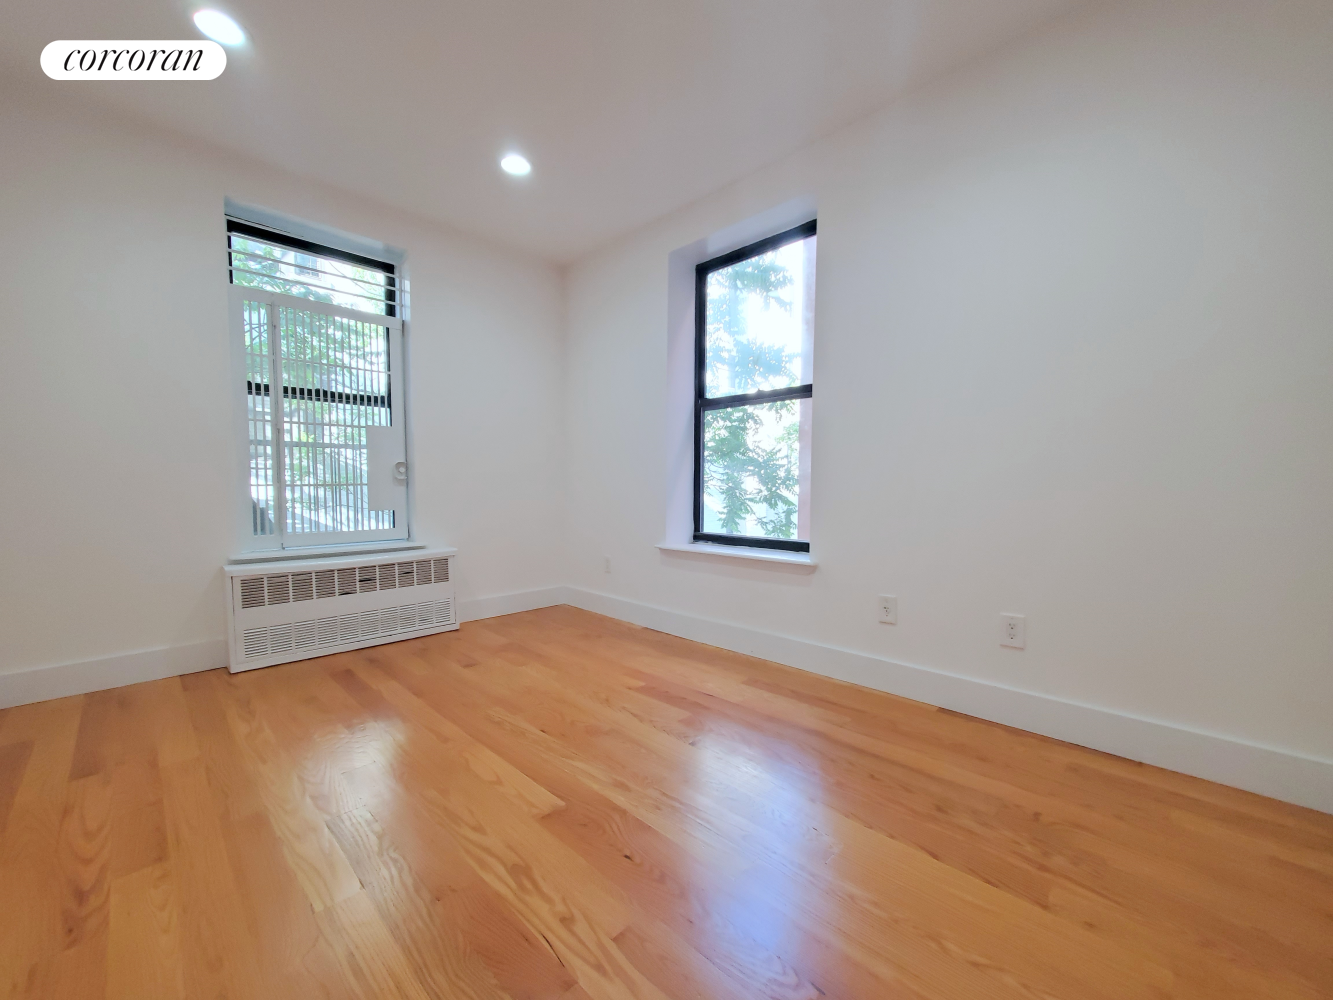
(323, 425)
(754, 324)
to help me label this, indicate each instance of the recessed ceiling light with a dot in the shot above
(513, 163)
(219, 27)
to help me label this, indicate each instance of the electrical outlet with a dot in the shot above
(606, 564)
(888, 610)
(1013, 631)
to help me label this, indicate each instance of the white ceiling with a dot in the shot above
(626, 108)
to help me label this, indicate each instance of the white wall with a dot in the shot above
(1074, 356)
(117, 451)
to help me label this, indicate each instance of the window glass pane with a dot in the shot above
(335, 374)
(258, 264)
(259, 419)
(754, 479)
(759, 322)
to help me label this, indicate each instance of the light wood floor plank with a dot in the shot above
(13, 765)
(85, 860)
(521, 961)
(218, 946)
(312, 853)
(144, 952)
(435, 948)
(31, 920)
(370, 958)
(138, 818)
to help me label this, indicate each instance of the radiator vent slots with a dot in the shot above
(326, 583)
(252, 592)
(279, 588)
(285, 588)
(336, 630)
(303, 586)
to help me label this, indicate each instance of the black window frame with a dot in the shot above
(703, 403)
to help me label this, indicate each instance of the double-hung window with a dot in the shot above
(754, 382)
(319, 340)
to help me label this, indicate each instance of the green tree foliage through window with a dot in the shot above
(747, 482)
(737, 361)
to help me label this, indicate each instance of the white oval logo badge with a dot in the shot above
(134, 60)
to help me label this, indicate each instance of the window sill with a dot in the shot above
(801, 559)
(319, 551)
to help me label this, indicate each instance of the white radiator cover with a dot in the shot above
(282, 610)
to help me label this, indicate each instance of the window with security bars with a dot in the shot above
(321, 339)
(754, 384)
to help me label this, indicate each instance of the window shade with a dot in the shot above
(258, 258)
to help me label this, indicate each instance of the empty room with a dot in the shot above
(705, 500)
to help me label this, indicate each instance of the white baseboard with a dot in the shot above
(511, 604)
(1280, 774)
(21, 687)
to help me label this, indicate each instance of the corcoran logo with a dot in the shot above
(141, 60)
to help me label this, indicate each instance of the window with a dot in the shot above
(754, 327)
(321, 340)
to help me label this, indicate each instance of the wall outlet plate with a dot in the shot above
(888, 609)
(1013, 631)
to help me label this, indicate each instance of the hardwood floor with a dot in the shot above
(559, 805)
